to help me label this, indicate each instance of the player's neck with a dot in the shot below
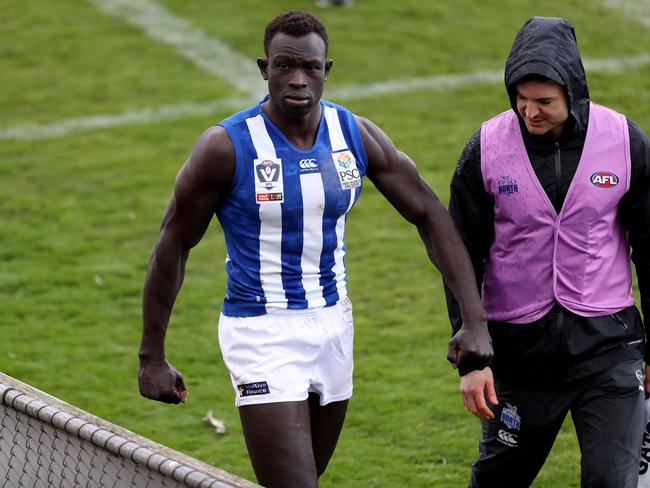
(300, 131)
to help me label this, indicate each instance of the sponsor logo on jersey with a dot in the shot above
(507, 185)
(269, 186)
(510, 418)
(346, 168)
(308, 165)
(604, 179)
(507, 438)
(250, 389)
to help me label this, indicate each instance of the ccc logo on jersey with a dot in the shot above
(308, 165)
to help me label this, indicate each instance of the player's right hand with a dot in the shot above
(470, 348)
(160, 381)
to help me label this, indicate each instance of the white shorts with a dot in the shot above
(285, 354)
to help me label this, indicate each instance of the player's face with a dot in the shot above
(296, 70)
(543, 105)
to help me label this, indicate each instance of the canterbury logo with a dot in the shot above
(308, 164)
(507, 438)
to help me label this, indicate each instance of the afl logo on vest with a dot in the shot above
(604, 179)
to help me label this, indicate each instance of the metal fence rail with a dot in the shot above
(46, 443)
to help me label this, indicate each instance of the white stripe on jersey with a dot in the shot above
(270, 224)
(313, 207)
(261, 138)
(338, 143)
(337, 140)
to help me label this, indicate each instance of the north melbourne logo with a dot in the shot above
(510, 418)
(507, 185)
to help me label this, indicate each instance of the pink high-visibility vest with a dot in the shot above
(579, 258)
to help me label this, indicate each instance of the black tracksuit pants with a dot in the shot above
(608, 413)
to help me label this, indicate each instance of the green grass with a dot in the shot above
(80, 214)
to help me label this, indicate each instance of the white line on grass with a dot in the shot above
(472, 78)
(206, 52)
(638, 10)
(144, 116)
(342, 93)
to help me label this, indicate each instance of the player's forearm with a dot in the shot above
(163, 282)
(447, 252)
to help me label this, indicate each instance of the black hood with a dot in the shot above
(547, 46)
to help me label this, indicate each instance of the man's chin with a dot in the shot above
(537, 130)
(297, 112)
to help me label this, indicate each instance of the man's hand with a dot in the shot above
(470, 348)
(160, 381)
(475, 387)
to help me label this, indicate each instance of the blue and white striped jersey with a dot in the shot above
(284, 216)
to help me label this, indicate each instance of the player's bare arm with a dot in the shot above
(200, 185)
(397, 178)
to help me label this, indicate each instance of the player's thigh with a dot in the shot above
(326, 425)
(279, 442)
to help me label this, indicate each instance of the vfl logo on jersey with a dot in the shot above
(308, 165)
(346, 168)
(269, 185)
(507, 185)
(604, 179)
(510, 418)
(507, 438)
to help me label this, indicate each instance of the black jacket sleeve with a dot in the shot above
(635, 214)
(472, 210)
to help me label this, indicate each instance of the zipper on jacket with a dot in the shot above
(619, 320)
(558, 177)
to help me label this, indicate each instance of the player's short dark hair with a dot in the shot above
(294, 23)
(534, 77)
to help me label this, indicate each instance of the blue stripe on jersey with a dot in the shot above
(292, 244)
(306, 255)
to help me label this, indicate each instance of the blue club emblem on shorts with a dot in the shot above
(510, 418)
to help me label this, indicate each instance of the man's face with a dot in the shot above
(544, 107)
(296, 70)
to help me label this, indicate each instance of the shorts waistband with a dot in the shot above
(301, 312)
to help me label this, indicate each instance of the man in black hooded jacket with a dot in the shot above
(566, 337)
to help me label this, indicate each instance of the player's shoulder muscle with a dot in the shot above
(212, 160)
